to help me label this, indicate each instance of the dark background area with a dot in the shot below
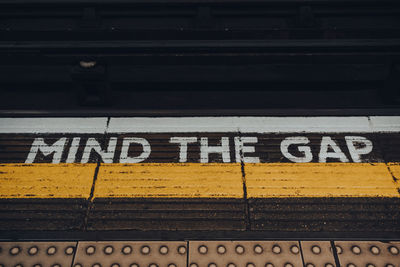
(229, 57)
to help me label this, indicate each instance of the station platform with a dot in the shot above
(200, 191)
(253, 176)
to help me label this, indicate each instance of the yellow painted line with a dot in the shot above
(46, 180)
(319, 180)
(170, 180)
(196, 180)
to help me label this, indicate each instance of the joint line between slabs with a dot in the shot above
(187, 253)
(301, 253)
(96, 172)
(395, 179)
(335, 254)
(91, 196)
(73, 257)
(247, 208)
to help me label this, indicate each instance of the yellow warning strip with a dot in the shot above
(171, 180)
(195, 180)
(320, 180)
(46, 180)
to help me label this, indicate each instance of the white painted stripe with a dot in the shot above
(53, 125)
(385, 123)
(241, 124)
(373, 124)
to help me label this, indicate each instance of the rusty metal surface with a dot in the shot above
(38, 254)
(368, 253)
(317, 254)
(244, 253)
(132, 254)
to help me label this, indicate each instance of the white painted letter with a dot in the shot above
(297, 140)
(337, 152)
(355, 152)
(92, 144)
(223, 149)
(124, 158)
(73, 149)
(183, 144)
(240, 149)
(38, 144)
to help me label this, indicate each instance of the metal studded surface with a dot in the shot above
(244, 254)
(131, 254)
(37, 254)
(317, 254)
(368, 254)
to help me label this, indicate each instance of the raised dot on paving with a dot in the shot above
(90, 250)
(294, 249)
(239, 249)
(145, 250)
(15, 250)
(69, 250)
(163, 250)
(276, 249)
(374, 250)
(258, 249)
(181, 250)
(51, 250)
(108, 250)
(33, 250)
(221, 249)
(356, 249)
(203, 249)
(127, 250)
(316, 249)
(393, 250)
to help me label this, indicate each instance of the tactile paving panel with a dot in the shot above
(131, 254)
(317, 254)
(244, 254)
(368, 254)
(37, 254)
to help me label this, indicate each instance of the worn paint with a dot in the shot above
(319, 180)
(245, 124)
(190, 180)
(46, 180)
(196, 180)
